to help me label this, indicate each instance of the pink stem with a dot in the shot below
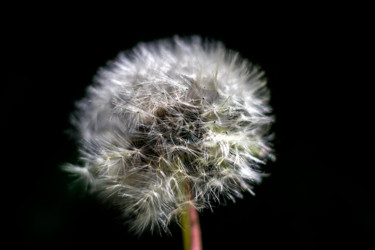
(195, 231)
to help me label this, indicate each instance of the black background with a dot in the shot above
(320, 191)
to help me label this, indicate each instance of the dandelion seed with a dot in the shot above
(173, 122)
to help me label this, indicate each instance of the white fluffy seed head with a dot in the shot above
(171, 123)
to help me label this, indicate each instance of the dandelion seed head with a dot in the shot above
(171, 123)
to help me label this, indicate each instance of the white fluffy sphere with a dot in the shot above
(171, 123)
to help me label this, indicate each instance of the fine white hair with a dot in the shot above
(173, 122)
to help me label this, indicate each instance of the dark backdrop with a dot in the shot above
(319, 192)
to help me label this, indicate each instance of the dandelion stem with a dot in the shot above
(191, 229)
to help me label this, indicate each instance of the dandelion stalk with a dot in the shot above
(191, 229)
(191, 232)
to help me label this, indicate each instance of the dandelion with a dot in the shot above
(171, 127)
